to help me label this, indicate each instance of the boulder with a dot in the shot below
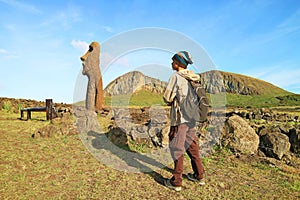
(275, 144)
(295, 140)
(126, 127)
(158, 127)
(239, 136)
(59, 126)
(123, 132)
(118, 136)
(139, 134)
(47, 131)
(267, 129)
(86, 120)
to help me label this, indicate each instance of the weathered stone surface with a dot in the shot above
(158, 127)
(285, 128)
(91, 68)
(86, 120)
(159, 134)
(132, 81)
(118, 136)
(275, 144)
(125, 123)
(295, 140)
(268, 129)
(150, 128)
(217, 82)
(140, 135)
(239, 136)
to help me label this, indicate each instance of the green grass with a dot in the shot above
(258, 101)
(139, 98)
(272, 97)
(7, 106)
(292, 100)
(146, 98)
(62, 168)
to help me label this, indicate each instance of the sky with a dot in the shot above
(41, 41)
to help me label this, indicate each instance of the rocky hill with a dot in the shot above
(215, 81)
(133, 81)
(218, 81)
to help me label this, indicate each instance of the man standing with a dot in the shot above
(182, 135)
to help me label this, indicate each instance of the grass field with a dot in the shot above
(268, 99)
(61, 168)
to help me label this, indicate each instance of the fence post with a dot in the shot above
(28, 114)
(49, 109)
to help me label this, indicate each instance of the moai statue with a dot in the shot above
(91, 67)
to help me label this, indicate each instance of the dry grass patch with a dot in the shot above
(61, 168)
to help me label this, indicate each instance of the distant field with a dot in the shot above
(139, 98)
(258, 101)
(146, 98)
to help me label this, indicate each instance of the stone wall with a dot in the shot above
(260, 131)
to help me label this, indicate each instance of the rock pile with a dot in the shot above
(239, 136)
(144, 126)
(61, 125)
(258, 132)
(253, 131)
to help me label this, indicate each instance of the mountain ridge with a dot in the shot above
(215, 81)
(132, 82)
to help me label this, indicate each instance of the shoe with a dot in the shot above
(192, 177)
(169, 185)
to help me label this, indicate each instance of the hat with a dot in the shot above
(183, 57)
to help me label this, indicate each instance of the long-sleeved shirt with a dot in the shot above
(177, 89)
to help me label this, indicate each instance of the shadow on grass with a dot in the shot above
(32, 119)
(132, 161)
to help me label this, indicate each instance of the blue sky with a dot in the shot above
(41, 41)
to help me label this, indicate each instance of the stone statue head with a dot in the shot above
(90, 60)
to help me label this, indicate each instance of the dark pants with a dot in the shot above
(183, 138)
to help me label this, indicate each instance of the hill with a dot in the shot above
(240, 90)
(134, 81)
(219, 81)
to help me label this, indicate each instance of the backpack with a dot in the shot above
(195, 104)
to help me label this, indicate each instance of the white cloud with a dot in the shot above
(282, 77)
(3, 51)
(108, 29)
(22, 6)
(107, 59)
(6, 54)
(65, 17)
(292, 23)
(10, 27)
(80, 45)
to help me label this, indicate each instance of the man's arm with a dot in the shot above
(171, 90)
